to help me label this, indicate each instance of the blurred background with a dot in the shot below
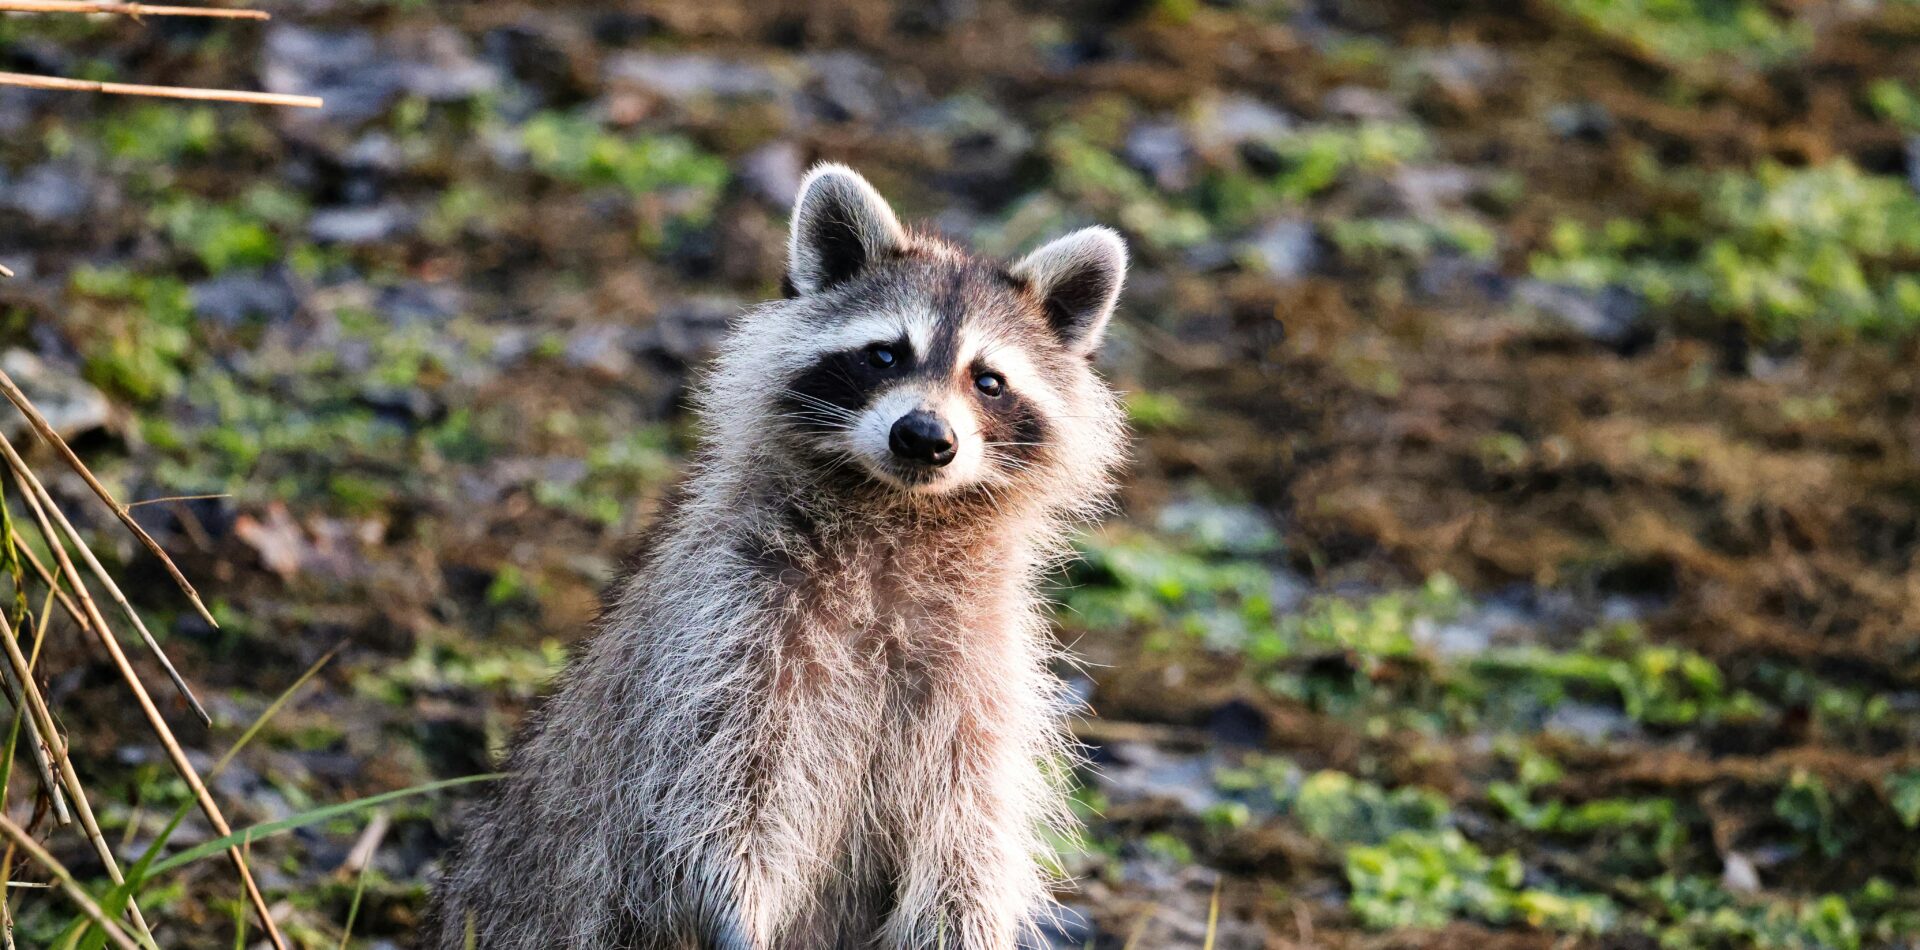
(1521, 548)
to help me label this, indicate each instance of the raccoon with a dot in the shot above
(820, 712)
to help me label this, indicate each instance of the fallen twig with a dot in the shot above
(155, 721)
(19, 838)
(21, 679)
(43, 506)
(51, 437)
(162, 92)
(135, 10)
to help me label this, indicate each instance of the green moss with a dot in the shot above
(222, 236)
(1426, 879)
(1380, 240)
(1698, 914)
(1336, 807)
(1793, 253)
(1685, 33)
(137, 330)
(681, 182)
(1095, 179)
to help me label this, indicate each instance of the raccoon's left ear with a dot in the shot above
(1078, 279)
(840, 225)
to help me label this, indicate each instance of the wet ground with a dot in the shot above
(1521, 545)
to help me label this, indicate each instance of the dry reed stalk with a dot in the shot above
(21, 678)
(135, 10)
(158, 723)
(37, 744)
(52, 438)
(19, 838)
(160, 92)
(53, 587)
(31, 487)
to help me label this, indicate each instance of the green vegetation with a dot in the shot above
(665, 170)
(1409, 860)
(1682, 33)
(1793, 253)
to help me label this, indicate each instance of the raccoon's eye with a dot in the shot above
(882, 356)
(990, 385)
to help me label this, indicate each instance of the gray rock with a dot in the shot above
(344, 67)
(1359, 102)
(1590, 722)
(1466, 70)
(1224, 124)
(1136, 771)
(773, 172)
(978, 138)
(1610, 315)
(1286, 249)
(1219, 526)
(51, 194)
(1427, 190)
(1067, 928)
(684, 78)
(600, 348)
(1161, 150)
(1913, 161)
(376, 151)
(688, 332)
(421, 303)
(439, 65)
(1586, 121)
(360, 75)
(71, 405)
(361, 225)
(237, 296)
(847, 86)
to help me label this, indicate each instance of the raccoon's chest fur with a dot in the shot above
(883, 618)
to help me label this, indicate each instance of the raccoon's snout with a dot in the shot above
(922, 438)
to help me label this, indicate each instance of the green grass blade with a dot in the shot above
(268, 829)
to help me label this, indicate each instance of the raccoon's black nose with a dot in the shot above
(923, 438)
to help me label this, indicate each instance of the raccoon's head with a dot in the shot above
(905, 364)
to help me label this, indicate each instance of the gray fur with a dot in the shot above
(820, 712)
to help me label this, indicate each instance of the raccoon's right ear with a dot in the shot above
(1078, 280)
(840, 225)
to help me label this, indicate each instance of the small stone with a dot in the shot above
(366, 225)
(849, 87)
(1610, 315)
(601, 349)
(1286, 249)
(344, 67)
(1428, 190)
(1067, 928)
(980, 141)
(1223, 125)
(50, 194)
(684, 78)
(1161, 150)
(71, 405)
(1913, 161)
(1581, 121)
(773, 172)
(237, 296)
(1739, 875)
(1359, 102)
(1589, 722)
(688, 332)
(416, 302)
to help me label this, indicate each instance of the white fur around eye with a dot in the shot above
(1012, 364)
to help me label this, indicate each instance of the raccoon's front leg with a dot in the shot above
(970, 877)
